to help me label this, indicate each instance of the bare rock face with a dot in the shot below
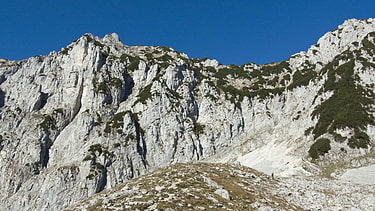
(99, 113)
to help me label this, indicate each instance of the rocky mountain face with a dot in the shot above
(99, 113)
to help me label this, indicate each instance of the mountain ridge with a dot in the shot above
(99, 113)
(209, 186)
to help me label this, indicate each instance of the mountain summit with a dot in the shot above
(99, 113)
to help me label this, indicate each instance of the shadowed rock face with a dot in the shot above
(2, 98)
(99, 113)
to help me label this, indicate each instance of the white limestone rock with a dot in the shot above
(99, 113)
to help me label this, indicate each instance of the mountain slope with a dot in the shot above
(99, 113)
(208, 186)
(191, 186)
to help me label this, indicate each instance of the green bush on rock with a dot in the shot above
(320, 147)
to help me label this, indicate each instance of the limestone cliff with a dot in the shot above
(98, 113)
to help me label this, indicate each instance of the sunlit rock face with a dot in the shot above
(98, 113)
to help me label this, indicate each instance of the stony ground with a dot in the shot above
(326, 194)
(208, 186)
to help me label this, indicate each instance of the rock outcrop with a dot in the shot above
(99, 113)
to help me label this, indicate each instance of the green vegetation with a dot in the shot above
(236, 95)
(104, 87)
(65, 51)
(144, 94)
(278, 68)
(95, 151)
(320, 147)
(47, 123)
(233, 94)
(174, 94)
(263, 93)
(19, 110)
(164, 65)
(359, 140)
(346, 107)
(116, 145)
(198, 128)
(58, 111)
(129, 138)
(138, 127)
(115, 82)
(106, 54)
(273, 82)
(302, 79)
(90, 39)
(116, 123)
(95, 170)
(165, 48)
(87, 158)
(149, 56)
(97, 43)
(156, 52)
(233, 70)
(98, 150)
(198, 73)
(285, 79)
(165, 58)
(123, 58)
(368, 43)
(366, 63)
(133, 61)
(164, 61)
(338, 138)
(308, 131)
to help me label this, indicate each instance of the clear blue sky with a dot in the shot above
(231, 31)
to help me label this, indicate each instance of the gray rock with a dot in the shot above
(99, 113)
